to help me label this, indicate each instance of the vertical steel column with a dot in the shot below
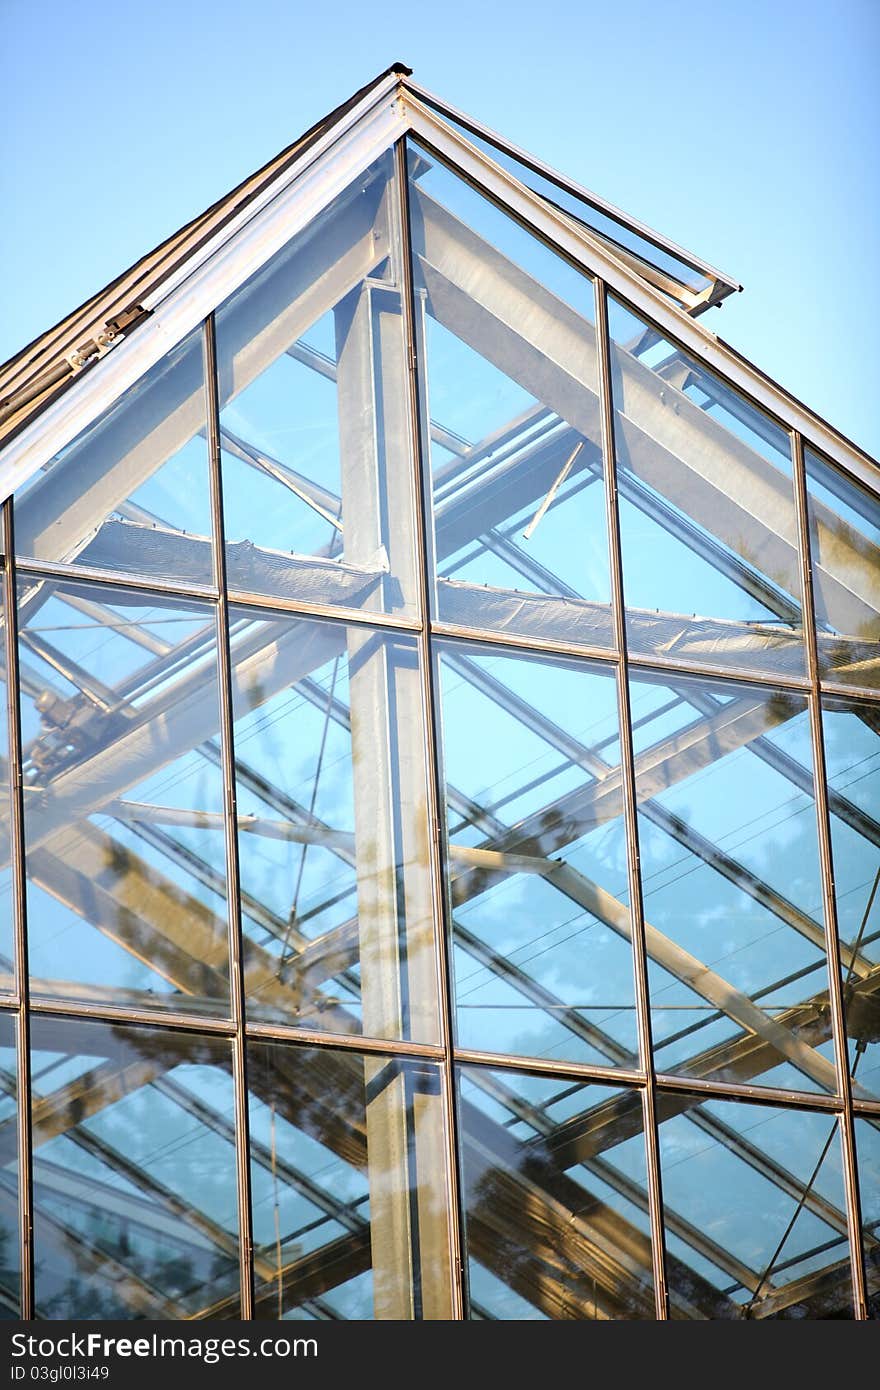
(628, 781)
(392, 826)
(422, 471)
(233, 893)
(409, 1234)
(829, 899)
(19, 909)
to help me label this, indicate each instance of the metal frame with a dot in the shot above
(211, 276)
(233, 884)
(447, 1023)
(722, 284)
(392, 110)
(835, 985)
(590, 254)
(627, 764)
(19, 908)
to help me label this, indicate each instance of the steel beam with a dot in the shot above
(399, 989)
(682, 452)
(63, 509)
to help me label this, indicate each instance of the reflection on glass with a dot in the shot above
(10, 1306)
(731, 883)
(123, 798)
(349, 1189)
(599, 218)
(852, 766)
(510, 402)
(134, 1173)
(754, 1208)
(131, 493)
(333, 827)
(845, 557)
(316, 451)
(536, 864)
(554, 1192)
(707, 514)
(867, 1133)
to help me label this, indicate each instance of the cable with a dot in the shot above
(312, 802)
(861, 1048)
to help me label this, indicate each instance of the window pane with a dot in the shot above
(754, 1205)
(333, 827)
(349, 1186)
(134, 1173)
(868, 1151)
(123, 798)
(845, 556)
(536, 863)
(7, 938)
(10, 1304)
(317, 455)
(509, 393)
(554, 1191)
(852, 763)
(731, 883)
(707, 513)
(132, 492)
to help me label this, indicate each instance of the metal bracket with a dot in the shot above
(103, 341)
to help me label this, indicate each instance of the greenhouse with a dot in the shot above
(440, 824)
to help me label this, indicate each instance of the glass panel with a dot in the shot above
(123, 797)
(754, 1209)
(350, 1202)
(536, 862)
(554, 1190)
(707, 513)
(7, 935)
(852, 764)
(10, 1304)
(845, 556)
(333, 828)
(731, 883)
(509, 393)
(868, 1152)
(134, 1173)
(317, 455)
(132, 492)
(579, 206)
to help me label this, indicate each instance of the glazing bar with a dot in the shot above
(421, 471)
(19, 907)
(640, 960)
(233, 892)
(829, 898)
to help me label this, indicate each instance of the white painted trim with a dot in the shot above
(379, 97)
(218, 268)
(203, 285)
(595, 256)
(593, 200)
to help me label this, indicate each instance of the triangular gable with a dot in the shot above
(34, 375)
(50, 392)
(41, 370)
(306, 292)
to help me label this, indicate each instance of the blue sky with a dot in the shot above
(747, 130)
